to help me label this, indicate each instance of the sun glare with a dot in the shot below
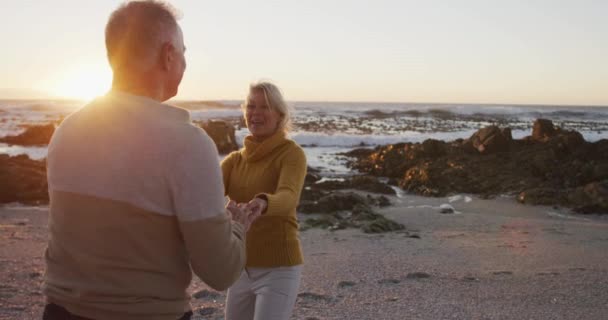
(83, 82)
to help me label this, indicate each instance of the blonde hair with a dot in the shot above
(274, 100)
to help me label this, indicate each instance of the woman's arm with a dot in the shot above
(291, 180)
(227, 164)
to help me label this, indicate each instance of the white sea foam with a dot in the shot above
(358, 140)
(565, 216)
(36, 153)
(353, 124)
(210, 114)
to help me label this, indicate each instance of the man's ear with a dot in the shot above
(167, 54)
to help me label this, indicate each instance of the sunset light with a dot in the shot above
(394, 159)
(84, 82)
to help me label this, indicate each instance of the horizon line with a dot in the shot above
(182, 100)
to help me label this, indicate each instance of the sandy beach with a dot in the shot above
(492, 259)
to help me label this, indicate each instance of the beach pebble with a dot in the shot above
(346, 284)
(206, 294)
(310, 296)
(417, 275)
(206, 311)
(389, 281)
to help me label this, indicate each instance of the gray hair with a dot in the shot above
(274, 100)
(135, 32)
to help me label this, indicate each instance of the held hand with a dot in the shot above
(239, 213)
(257, 206)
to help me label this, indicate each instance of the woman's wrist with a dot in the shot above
(263, 202)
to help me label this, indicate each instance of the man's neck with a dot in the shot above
(139, 88)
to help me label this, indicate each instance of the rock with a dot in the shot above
(433, 148)
(541, 196)
(324, 222)
(207, 311)
(389, 281)
(23, 180)
(347, 210)
(491, 139)
(591, 198)
(334, 202)
(222, 133)
(33, 136)
(310, 195)
(206, 294)
(371, 184)
(506, 132)
(417, 275)
(446, 209)
(420, 179)
(346, 284)
(363, 183)
(383, 201)
(543, 130)
(311, 296)
(311, 178)
(552, 167)
(381, 225)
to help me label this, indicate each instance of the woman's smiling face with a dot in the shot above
(262, 121)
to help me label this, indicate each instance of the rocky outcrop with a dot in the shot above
(553, 166)
(490, 139)
(222, 133)
(363, 183)
(32, 136)
(340, 210)
(22, 180)
(543, 130)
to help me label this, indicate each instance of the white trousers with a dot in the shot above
(264, 294)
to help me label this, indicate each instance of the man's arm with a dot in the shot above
(216, 245)
(217, 250)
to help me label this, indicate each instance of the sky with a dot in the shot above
(486, 51)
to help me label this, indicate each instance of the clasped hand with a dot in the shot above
(246, 213)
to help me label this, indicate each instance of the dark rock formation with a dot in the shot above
(33, 136)
(342, 210)
(222, 134)
(490, 139)
(363, 183)
(22, 180)
(552, 167)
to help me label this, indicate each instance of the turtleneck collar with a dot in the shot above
(255, 150)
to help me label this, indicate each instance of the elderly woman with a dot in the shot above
(267, 174)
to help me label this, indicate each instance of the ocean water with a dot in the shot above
(327, 128)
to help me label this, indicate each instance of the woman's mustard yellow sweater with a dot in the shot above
(275, 168)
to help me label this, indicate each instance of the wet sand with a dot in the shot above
(494, 259)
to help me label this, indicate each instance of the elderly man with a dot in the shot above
(137, 197)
